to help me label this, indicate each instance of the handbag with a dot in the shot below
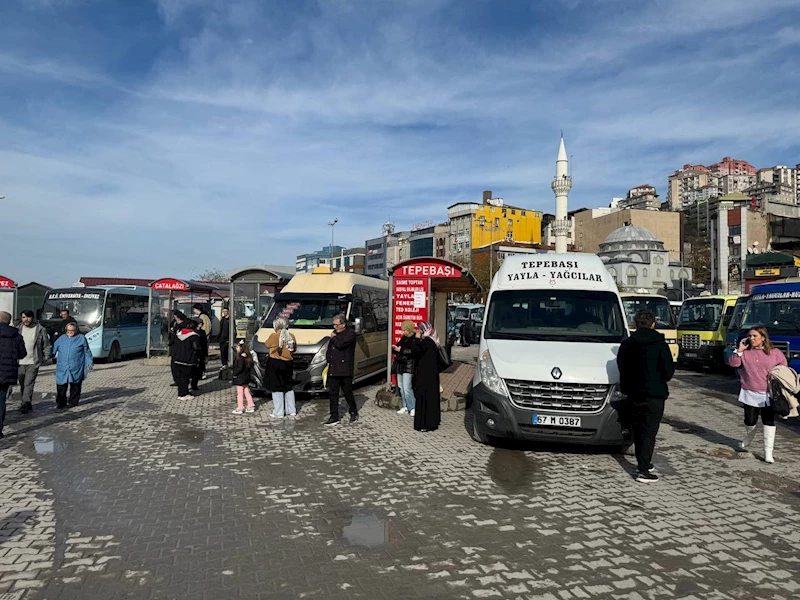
(443, 361)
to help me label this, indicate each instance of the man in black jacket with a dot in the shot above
(341, 361)
(645, 366)
(12, 349)
(224, 337)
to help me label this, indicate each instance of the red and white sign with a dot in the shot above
(6, 283)
(166, 285)
(431, 269)
(409, 303)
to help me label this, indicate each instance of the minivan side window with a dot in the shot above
(726, 318)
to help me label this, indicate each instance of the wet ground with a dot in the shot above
(135, 494)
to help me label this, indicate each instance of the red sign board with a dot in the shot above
(6, 283)
(175, 285)
(409, 303)
(431, 269)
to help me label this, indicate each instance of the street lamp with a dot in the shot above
(332, 224)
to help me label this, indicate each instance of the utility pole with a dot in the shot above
(332, 224)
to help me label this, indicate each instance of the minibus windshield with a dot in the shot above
(555, 315)
(308, 311)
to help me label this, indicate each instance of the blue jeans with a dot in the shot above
(406, 391)
(283, 404)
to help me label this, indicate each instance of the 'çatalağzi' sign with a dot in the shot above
(553, 270)
(428, 270)
(170, 284)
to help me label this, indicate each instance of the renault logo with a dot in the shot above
(556, 373)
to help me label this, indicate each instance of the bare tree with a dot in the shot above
(213, 275)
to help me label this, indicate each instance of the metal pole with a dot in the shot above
(149, 319)
(391, 334)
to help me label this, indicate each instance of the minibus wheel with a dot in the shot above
(114, 355)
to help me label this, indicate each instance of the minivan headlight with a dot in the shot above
(489, 375)
(615, 395)
(322, 354)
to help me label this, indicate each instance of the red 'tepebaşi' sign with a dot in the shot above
(409, 303)
(6, 283)
(431, 269)
(175, 285)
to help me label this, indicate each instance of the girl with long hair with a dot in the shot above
(756, 357)
(242, 365)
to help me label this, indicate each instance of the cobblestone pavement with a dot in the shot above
(135, 494)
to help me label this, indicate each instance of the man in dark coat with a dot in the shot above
(12, 349)
(224, 337)
(341, 362)
(645, 366)
(66, 319)
(200, 371)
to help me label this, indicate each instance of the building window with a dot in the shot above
(684, 274)
(658, 274)
(497, 222)
(613, 272)
(644, 272)
(513, 212)
(511, 222)
(523, 213)
(632, 275)
(510, 236)
(672, 274)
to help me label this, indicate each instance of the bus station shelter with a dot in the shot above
(418, 289)
(8, 296)
(252, 295)
(164, 294)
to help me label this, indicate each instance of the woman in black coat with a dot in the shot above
(428, 413)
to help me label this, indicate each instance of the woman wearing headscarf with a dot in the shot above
(280, 375)
(405, 367)
(425, 351)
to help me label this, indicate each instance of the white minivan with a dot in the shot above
(547, 364)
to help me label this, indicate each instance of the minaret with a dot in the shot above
(561, 186)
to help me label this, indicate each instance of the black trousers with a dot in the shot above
(224, 348)
(74, 393)
(3, 391)
(646, 416)
(751, 415)
(345, 384)
(183, 375)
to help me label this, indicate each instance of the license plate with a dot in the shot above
(557, 421)
(691, 355)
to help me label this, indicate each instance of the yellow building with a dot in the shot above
(476, 225)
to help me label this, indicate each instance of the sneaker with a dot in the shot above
(237, 411)
(652, 469)
(61, 407)
(354, 417)
(292, 416)
(274, 416)
(173, 385)
(250, 409)
(402, 411)
(204, 376)
(647, 478)
(413, 410)
(26, 408)
(332, 421)
(186, 397)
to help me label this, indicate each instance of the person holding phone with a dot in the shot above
(755, 358)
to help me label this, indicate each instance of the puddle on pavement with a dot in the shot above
(367, 530)
(191, 436)
(722, 452)
(513, 471)
(48, 444)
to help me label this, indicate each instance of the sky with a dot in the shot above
(161, 138)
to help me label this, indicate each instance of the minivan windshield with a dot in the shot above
(701, 315)
(779, 315)
(658, 305)
(311, 311)
(555, 315)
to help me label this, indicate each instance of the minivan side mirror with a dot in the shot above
(358, 325)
